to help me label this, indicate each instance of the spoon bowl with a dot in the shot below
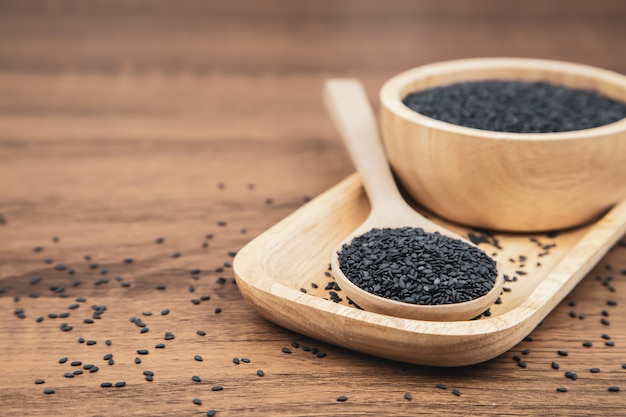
(348, 106)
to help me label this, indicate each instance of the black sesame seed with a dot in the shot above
(144, 330)
(195, 301)
(120, 384)
(441, 386)
(165, 312)
(78, 372)
(605, 322)
(196, 378)
(245, 360)
(342, 398)
(48, 391)
(176, 255)
(160, 287)
(408, 396)
(525, 351)
(562, 353)
(137, 361)
(93, 369)
(456, 392)
(68, 375)
(62, 360)
(555, 365)
(260, 372)
(594, 370)
(587, 344)
(205, 298)
(201, 333)
(236, 361)
(211, 413)
(522, 364)
(321, 355)
(148, 373)
(217, 388)
(197, 401)
(218, 310)
(39, 381)
(609, 344)
(149, 378)
(107, 356)
(159, 345)
(111, 362)
(81, 340)
(198, 358)
(76, 363)
(106, 385)
(39, 319)
(614, 388)
(286, 350)
(561, 389)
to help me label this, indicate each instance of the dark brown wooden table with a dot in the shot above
(122, 122)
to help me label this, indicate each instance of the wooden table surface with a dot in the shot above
(122, 122)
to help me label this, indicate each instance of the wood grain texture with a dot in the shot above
(118, 120)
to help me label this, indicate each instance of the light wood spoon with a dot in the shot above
(348, 106)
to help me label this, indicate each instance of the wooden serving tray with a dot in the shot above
(294, 254)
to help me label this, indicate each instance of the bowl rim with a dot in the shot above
(390, 97)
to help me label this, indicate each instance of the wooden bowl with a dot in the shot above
(505, 181)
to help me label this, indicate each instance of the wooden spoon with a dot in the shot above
(348, 106)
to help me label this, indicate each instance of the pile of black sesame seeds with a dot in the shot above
(516, 106)
(412, 266)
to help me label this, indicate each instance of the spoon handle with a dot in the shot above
(347, 104)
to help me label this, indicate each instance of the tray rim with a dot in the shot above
(266, 294)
